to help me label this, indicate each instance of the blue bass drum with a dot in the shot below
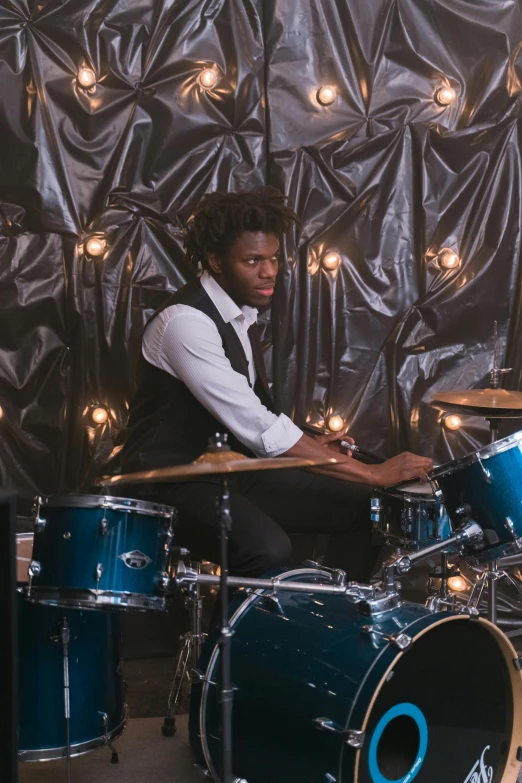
(486, 486)
(97, 552)
(323, 693)
(97, 704)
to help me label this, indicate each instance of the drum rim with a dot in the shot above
(53, 754)
(106, 501)
(405, 495)
(104, 600)
(491, 450)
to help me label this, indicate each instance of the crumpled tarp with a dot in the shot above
(384, 176)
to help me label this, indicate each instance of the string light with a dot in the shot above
(457, 583)
(452, 422)
(445, 95)
(86, 77)
(331, 260)
(208, 78)
(95, 246)
(1, 413)
(335, 423)
(448, 258)
(326, 95)
(99, 415)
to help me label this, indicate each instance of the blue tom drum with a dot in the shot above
(325, 692)
(412, 516)
(486, 486)
(98, 552)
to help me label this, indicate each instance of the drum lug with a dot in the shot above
(517, 662)
(98, 575)
(399, 640)
(274, 603)
(39, 522)
(486, 474)
(352, 737)
(35, 568)
(162, 581)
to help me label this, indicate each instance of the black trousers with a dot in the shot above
(266, 507)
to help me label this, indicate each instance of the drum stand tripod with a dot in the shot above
(188, 654)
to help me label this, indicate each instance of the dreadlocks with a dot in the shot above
(220, 218)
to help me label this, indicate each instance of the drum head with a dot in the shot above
(445, 710)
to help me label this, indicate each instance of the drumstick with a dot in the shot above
(356, 450)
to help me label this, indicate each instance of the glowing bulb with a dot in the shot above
(326, 95)
(95, 246)
(335, 423)
(457, 583)
(86, 77)
(452, 422)
(448, 259)
(331, 260)
(208, 78)
(1, 413)
(445, 95)
(99, 415)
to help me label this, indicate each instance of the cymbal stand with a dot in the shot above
(489, 577)
(225, 639)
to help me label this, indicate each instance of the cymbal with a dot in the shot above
(212, 463)
(488, 403)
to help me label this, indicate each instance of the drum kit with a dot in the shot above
(309, 678)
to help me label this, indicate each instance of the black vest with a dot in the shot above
(167, 425)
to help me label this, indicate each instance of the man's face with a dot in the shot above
(249, 272)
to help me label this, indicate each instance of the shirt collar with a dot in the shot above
(225, 305)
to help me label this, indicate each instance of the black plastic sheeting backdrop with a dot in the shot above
(384, 176)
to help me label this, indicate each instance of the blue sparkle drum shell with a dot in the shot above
(486, 486)
(98, 552)
(97, 704)
(323, 695)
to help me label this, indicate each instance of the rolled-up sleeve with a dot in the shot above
(186, 343)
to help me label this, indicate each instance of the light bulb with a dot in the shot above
(452, 422)
(335, 423)
(445, 95)
(86, 77)
(448, 259)
(99, 415)
(95, 246)
(208, 78)
(326, 95)
(331, 260)
(1, 413)
(457, 583)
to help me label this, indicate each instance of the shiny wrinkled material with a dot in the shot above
(384, 176)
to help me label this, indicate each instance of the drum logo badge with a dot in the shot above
(135, 559)
(480, 773)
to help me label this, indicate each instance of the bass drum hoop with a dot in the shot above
(512, 768)
(107, 502)
(212, 662)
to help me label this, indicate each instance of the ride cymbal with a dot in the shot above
(489, 403)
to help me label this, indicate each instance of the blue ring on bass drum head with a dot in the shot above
(411, 711)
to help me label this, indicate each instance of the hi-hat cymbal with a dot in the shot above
(213, 463)
(489, 403)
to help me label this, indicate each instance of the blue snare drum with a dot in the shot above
(98, 552)
(486, 486)
(324, 694)
(97, 705)
(410, 516)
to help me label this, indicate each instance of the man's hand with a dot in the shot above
(401, 468)
(333, 440)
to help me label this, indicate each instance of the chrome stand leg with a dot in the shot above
(492, 576)
(115, 759)
(187, 656)
(65, 637)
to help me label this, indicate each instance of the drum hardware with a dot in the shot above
(188, 655)
(338, 575)
(106, 723)
(39, 522)
(64, 637)
(441, 598)
(399, 640)
(351, 737)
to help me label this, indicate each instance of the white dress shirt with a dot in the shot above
(185, 342)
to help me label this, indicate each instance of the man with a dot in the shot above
(202, 372)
